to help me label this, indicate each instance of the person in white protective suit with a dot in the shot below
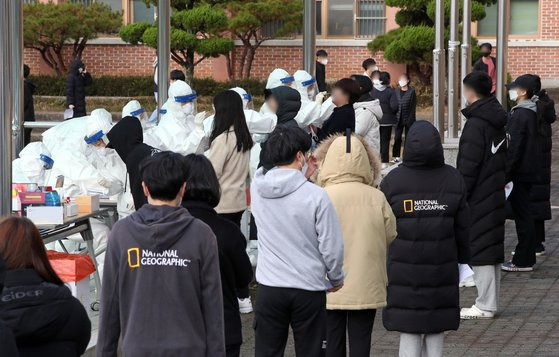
(180, 128)
(134, 109)
(33, 165)
(311, 99)
(367, 113)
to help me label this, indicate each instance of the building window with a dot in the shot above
(370, 18)
(340, 18)
(141, 12)
(524, 19)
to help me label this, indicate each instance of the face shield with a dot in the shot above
(140, 114)
(311, 88)
(96, 139)
(246, 97)
(47, 161)
(305, 84)
(279, 77)
(188, 103)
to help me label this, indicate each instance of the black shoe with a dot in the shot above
(540, 250)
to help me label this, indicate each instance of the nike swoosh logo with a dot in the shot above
(494, 148)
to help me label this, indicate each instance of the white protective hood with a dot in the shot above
(32, 165)
(279, 77)
(99, 123)
(310, 110)
(134, 109)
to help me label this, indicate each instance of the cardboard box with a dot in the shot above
(88, 204)
(80, 290)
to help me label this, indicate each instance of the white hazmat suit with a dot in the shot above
(33, 164)
(180, 128)
(134, 109)
(310, 108)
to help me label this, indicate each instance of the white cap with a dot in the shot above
(244, 95)
(179, 92)
(99, 123)
(302, 80)
(277, 78)
(133, 108)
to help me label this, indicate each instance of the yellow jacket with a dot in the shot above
(368, 224)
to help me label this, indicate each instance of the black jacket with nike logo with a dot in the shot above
(481, 160)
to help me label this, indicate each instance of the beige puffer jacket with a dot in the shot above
(367, 221)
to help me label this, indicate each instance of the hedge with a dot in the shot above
(112, 86)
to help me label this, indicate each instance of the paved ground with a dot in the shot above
(528, 324)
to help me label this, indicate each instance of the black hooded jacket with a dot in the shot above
(389, 104)
(541, 191)
(234, 265)
(7, 341)
(429, 201)
(75, 88)
(289, 103)
(482, 162)
(127, 138)
(365, 87)
(321, 77)
(524, 148)
(45, 318)
(341, 119)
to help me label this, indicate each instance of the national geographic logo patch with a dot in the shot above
(411, 206)
(141, 257)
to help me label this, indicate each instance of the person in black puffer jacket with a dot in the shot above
(345, 93)
(540, 194)
(407, 100)
(389, 104)
(481, 160)
(524, 164)
(201, 196)
(78, 78)
(7, 341)
(429, 201)
(44, 317)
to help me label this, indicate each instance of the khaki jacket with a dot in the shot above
(231, 167)
(368, 224)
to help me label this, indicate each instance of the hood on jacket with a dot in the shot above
(526, 104)
(365, 84)
(372, 105)
(124, 135)
(549, 113)
(277, 182)
(289, 103)
(159, 227)
(336, 165)
(75, 65)
(423, 147)
(488, 109)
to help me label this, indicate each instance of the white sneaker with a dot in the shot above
(245, 306)
(384, 165)
(474, 313)
(467, 283)
(396, 160)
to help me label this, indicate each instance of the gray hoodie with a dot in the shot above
(161, 287)
(300, 241)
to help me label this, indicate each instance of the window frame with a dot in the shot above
(324, 28)
(511, 36)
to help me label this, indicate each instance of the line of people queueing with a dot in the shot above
(306, 233)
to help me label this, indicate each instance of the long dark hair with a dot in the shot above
(21, 247)
(201, 181)
(229, 112)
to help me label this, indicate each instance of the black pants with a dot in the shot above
(236, 218)
(359, 327)
(385, 135)
(253, 230)
(525, 252)
(233, 217)
(400, 129)
(540, 231)
(233, 351)
(277, 308)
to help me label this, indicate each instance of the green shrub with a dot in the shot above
(110, 86)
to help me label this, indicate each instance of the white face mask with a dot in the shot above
(403, 82)
(513, 94)
(376, 82)
(324, 61)
(187, 108)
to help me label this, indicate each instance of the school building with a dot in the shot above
(344, 27)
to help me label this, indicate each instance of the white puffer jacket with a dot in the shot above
(367, 117)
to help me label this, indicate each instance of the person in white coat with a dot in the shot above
(180, 128)
(311, 99)
(33, 164)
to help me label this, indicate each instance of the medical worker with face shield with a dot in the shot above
(134, 109)
(181, 128)
(33, 165)
(311, 99)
